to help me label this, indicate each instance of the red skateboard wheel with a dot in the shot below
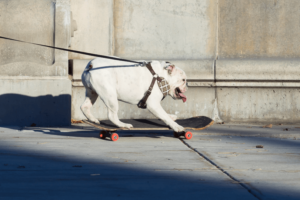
(188, 135)
(114, 137)
(102, 134)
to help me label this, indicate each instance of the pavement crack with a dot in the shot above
(252, 192)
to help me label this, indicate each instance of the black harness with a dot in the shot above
(162, 84)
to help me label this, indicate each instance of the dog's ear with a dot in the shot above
(170, 68)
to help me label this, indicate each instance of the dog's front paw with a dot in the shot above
(127, 126)
(173, 117)
(177, 128)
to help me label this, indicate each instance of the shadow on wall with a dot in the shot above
(48, 110)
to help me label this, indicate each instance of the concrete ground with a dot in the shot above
(221, 162)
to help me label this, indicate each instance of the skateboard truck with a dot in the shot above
(187, 135)
(113, 136)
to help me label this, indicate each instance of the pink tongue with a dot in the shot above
(183, 97)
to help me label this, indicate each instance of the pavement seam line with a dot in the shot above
(254, 193)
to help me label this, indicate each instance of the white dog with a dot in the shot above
(129, 84)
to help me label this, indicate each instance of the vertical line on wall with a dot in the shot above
(217, 43)
(217, 32)
(112, 29)
(54, 29)
(216, 50)
(216, 116)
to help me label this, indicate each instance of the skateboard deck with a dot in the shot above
(194, 123)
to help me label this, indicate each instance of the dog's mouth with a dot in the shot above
(180, 94)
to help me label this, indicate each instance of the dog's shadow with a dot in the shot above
(91, 132)
(152, 128)
(137, 123)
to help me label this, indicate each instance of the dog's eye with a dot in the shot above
(183, 80)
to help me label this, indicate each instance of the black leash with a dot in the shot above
(73, 51)
(142, 103)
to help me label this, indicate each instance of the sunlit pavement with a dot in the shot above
(221, 162)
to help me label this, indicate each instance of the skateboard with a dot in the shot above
(108, 129)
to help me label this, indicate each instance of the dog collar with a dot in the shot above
(163, 86)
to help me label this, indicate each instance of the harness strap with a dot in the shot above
(142, 103)
(148, 65)
(91, 68)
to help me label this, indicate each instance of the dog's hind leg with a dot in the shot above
(111, 101)
(112, 105)
(90, 99)
(112, 108)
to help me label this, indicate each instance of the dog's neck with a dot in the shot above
(160, 70)
(165, 74)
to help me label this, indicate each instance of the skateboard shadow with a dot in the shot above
(196, 123)
(137, 123)
(90, 132)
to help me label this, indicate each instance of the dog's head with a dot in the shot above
(177, 81)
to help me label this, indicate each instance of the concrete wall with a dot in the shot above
(167, 29)
(258, 29)
(241, 57)
(34, 83)
(95, 27)
(257, 70)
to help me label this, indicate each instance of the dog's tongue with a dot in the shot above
(183, 97)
